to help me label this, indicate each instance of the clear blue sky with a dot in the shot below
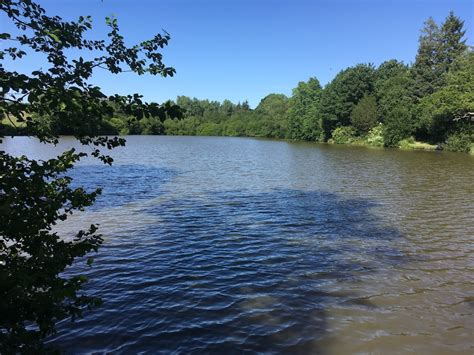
(246, 49)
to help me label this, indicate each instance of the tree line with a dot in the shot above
(393, 104)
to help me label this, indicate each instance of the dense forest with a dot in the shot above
(428, 104)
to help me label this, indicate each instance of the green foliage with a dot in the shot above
(375, 136)
(210, 129)
(459, 142)
(398, 124)
(429, 101)
(272, 113)
(452, 45)
(387, 70)
(364, 114)
(304, 120)
(343, 135)
(394, 91)
(269, 119)
(411, 144)
(406, 143)
(35, 194)
(450, 108)
(343, 93)
(391, 79)
(151, 126)
(396, 107)
(427, 72)
(273, 105)
(438, 49)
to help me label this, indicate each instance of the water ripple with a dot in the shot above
(301, 249)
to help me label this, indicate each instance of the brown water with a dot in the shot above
(235, 245)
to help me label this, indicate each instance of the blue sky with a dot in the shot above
(246, 49)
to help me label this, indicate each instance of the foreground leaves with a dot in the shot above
(36, 287)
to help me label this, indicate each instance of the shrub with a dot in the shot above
(375, 136)
(459, 142)
(406, 143)
(343, 135)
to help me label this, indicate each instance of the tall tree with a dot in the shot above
(304, 120)
(397, 108)
(272, 113)
(452, 43)
(344, 92)
(426, 70)
(438, 49)
(451, 108)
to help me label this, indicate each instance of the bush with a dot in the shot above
(375, 136)
(459, 142)
(411, 143)
(343, 135)
(406, 143)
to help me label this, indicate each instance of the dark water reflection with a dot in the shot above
(221, 245)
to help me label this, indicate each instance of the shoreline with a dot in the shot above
(404, 145)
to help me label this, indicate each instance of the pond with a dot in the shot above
(240, 245)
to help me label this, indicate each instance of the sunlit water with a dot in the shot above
(233, 245)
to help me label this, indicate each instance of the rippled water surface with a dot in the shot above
(233, 245)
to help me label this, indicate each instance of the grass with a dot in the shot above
(411, 144)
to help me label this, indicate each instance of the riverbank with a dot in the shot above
(406, 144)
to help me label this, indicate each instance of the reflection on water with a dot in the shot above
(228, 245)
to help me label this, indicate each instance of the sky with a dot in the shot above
(246, 49)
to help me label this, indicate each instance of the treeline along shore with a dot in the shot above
(428, 104)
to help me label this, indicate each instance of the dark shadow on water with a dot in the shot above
(234, 272)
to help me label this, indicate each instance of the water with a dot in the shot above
(235, 245)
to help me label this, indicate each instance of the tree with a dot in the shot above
(364, 114)
(304, 120)
(438, 49)
(245, 106)
(227, 108)
(344, 92)
(191, 107)
(451, 109)
(273, 105)
(35, 195)
(271, 114)
(452, 45)
(397, 107)
(398, 124)
(427, 73)
(385, 72)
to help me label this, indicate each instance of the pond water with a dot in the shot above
(239, 245)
